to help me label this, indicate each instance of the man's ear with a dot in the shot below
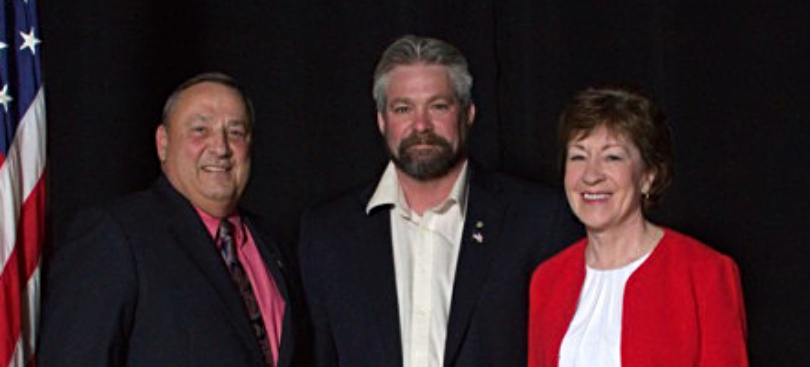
(470, 114)
(381, 122)
(161, 141)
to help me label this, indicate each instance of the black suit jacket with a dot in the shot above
(139, 282)
(348, 273)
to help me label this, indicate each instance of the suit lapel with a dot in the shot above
(380, 281)
(191, 236)
(479, 241)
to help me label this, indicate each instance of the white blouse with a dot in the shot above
(594, 335)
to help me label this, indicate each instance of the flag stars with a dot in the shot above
(5, 98)
(29, 41)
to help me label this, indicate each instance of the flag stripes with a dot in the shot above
(22, 181)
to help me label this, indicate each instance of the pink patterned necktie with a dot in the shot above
(228, 251)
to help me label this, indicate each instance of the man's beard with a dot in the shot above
(427, 163)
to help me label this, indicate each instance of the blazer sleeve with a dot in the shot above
(89, 296)
(324, 353)
(536, 345)
(722, 317)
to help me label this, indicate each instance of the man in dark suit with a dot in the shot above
(176, 275)
(428, 265)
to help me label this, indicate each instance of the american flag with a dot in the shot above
(22, 180)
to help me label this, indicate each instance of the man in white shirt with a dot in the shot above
(428, 265)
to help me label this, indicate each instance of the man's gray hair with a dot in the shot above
(410, 50)
(208, 77)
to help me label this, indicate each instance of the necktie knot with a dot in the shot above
(225, 230)
(225, 234)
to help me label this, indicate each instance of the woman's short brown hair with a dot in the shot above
(630, 114)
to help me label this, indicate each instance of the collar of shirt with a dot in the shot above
(212, 225)
(388, 192)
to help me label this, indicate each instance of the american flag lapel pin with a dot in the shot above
(477, 235)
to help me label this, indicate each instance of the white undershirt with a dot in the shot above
(425, 249)
(594, 336)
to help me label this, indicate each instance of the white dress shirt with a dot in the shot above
(425, 249)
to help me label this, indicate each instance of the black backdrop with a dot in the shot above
(732, 76)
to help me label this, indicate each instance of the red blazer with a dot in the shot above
(682, 307)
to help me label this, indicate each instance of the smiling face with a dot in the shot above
(204, 147)
(423, 123)
(605, 179)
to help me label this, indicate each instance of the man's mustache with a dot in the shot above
(423, 138)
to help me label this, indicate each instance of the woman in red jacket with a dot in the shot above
(632, 293)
